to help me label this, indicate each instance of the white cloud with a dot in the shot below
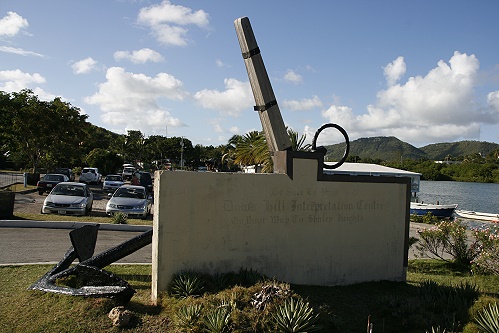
(167, 21)
(139, 56)
(84, 66)
(232, 101)
(427, 108)
(216, 124)
(292, 76)
(17, 80)
(15, 50)
(132, 100)
(220, 63)
(12, 24)
(394, 71)
(493, 100)
(304, 104)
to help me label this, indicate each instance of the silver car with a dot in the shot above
(112, 182)
(69, 198)
(130, 200)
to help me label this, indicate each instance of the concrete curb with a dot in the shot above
(71, 225)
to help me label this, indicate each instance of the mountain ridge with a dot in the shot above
(390, 148)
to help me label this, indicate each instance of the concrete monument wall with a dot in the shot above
(302, 227)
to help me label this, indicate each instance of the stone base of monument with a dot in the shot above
(300, 226)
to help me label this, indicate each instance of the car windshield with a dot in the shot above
(70, 190)
(114, 178)
(127, 192)
(54, 177)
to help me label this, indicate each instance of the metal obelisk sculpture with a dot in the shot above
(265, 101)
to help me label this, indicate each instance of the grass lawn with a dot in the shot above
(435, 294)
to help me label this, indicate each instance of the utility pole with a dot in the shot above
(181, 152)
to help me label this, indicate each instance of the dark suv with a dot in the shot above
(146, 181)
(66, 171)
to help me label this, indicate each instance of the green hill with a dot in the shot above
(439, 151)
(382, 148)
(391, 149)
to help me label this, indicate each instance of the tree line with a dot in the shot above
(44, 135)
(477, 170)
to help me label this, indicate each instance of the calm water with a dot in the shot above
(479, 197)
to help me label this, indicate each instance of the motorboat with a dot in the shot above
(435, 209)
(471, 215)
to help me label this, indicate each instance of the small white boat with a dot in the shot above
(435, 209)
(467, 214)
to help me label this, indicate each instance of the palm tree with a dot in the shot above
(251, 149)
(298, 144)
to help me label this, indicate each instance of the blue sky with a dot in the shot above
(422, 71)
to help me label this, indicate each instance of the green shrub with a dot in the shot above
(448, 237)
(487, 260)
(428, 218)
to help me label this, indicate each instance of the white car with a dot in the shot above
(90, 176)
(128, 171)
(69, 198)
(112, 182)
(130, 200)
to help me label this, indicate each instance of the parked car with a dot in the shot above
(130, 200)
(66, 171)
(145, 180)
(128, 171)
(47, 183)
(112, 182)
(90, 176)
(69, 198)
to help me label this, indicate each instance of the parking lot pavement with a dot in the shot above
(31, 203)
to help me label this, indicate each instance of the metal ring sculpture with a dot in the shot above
(347, 141)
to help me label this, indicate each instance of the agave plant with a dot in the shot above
(437, 330)
(488, 319)
(120, 218)
(188, 316)
(295, 316)
(229, 302)
(186, 284)
(218, 320)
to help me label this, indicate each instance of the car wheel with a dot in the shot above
(40, 192)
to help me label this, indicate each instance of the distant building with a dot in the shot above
(366, 169)
(448, 162)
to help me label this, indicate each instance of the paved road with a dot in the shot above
(38, 245)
